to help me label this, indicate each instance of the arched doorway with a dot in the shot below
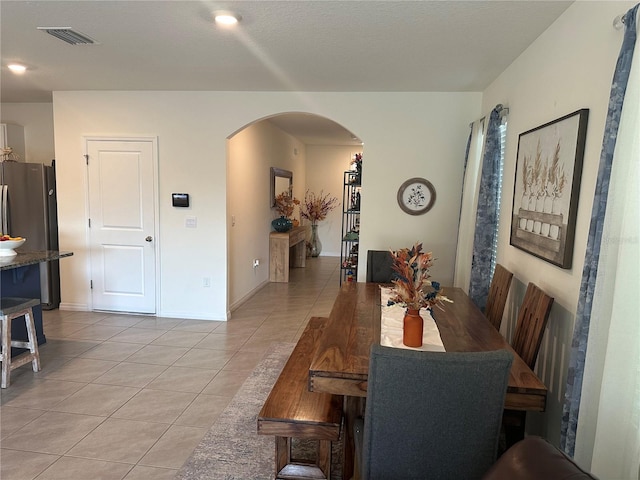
(316, 150)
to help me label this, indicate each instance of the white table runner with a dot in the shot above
(391, 326)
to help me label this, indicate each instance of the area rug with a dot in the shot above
(232, 449)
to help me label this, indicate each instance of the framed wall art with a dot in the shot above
(547, 184)
(281, 182)
(416, 196)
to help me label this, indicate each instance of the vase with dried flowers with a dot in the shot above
(413, 290)
(315, 209)
(285, 205)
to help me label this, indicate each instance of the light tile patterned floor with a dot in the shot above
(129, 397)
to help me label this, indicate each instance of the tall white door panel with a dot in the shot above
(122, 225)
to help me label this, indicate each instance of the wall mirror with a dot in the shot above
(281, 181)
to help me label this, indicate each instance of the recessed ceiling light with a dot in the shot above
(226, 18)
(17, 68)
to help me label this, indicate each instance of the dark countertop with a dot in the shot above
(23, 259)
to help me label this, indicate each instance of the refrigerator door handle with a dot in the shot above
(4, 220)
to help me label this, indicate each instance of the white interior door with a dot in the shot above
(122, 225)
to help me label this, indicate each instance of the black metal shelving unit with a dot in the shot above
(350, 226)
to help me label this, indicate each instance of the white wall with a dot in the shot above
(188, 162)
(325, 173)
(252, 152)
(568, 67)
(406, 135)
(429, 142)
(37, 120)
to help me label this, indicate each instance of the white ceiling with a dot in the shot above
(285, 45)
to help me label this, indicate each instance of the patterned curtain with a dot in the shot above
(487, 213)
(590, 270)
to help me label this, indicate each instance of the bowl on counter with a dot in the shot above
(7, 247)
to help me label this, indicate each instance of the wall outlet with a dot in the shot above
(206, 282)
(256, 263)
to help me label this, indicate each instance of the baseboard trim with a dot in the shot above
(238, 304)
(74, 307)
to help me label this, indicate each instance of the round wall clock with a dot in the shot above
(416, 196)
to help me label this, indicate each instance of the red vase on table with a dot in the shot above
(412, 328)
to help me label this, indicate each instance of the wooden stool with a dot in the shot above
(10, 309)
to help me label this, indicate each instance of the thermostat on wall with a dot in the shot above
(180, 199)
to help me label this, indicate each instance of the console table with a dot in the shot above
(286, 250)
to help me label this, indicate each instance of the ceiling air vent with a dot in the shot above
(67, 34)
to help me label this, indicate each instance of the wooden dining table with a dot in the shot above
(340, 364)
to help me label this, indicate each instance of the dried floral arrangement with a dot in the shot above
(316, 207)
(557, 178)
(285, 204)
(412, 287)
(543, 176)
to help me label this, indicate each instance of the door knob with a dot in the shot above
(149, 238)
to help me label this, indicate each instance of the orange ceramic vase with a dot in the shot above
(412, 328)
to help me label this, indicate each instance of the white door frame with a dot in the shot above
(156, 208)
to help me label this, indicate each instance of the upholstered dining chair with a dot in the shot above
(498, 292)
(533, 316)
(431, 414)
(379, 266)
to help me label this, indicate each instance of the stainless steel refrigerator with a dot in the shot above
(28, 209)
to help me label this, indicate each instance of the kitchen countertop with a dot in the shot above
(23, 259)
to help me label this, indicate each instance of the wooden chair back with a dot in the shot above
(498, 292)
(532, 320)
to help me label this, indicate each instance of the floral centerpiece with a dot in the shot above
(315, 208)
(285, 204)
(413, 289)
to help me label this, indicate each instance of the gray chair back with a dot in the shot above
(379, 266)
(432, 414)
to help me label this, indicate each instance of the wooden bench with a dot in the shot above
(292, 411)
